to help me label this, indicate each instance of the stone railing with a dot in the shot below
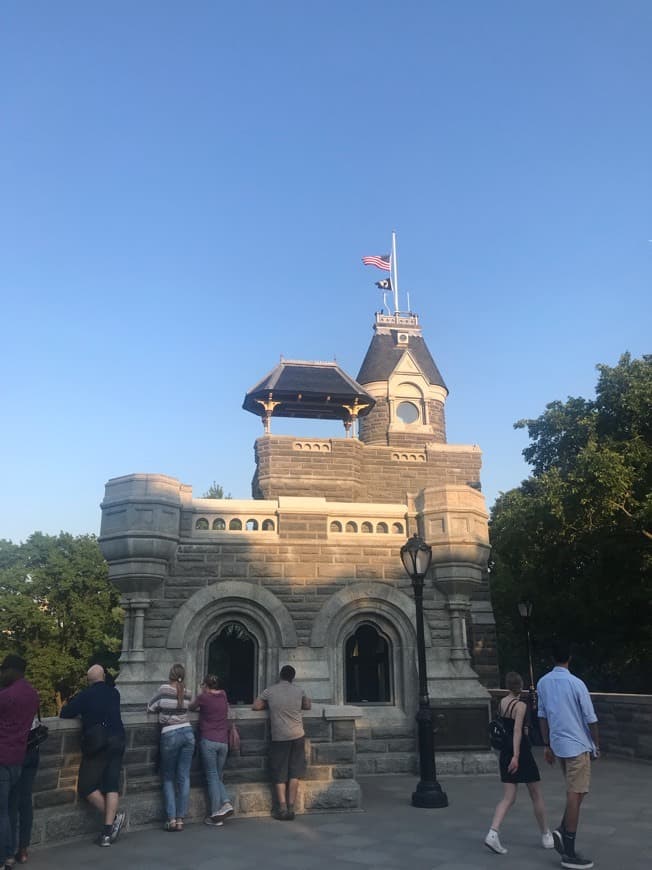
(624, 721)
(330, 783)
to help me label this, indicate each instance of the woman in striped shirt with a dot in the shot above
(177, 745)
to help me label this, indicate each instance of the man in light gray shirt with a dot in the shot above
(287, 754)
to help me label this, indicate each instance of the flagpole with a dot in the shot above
(395, 276)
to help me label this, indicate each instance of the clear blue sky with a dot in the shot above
(186, 190)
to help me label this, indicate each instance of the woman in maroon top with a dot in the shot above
(214, 745)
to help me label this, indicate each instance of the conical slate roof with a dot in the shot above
(384, 354)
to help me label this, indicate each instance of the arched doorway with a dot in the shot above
(367, 663)
(232, 655)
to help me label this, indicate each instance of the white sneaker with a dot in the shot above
(547, 840)
(225, 810)
(492, 841)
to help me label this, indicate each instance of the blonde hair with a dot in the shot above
(514, 682)
(177, 676)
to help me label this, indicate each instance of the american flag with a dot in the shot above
(380, 262)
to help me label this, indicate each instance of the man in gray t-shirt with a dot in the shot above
(287, 754)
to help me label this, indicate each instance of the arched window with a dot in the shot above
(397, 528)
(382, 529)
(219, 525)
(367, 528)
(201, 524)
(367, 663)
(351, 526)
(252, 525)
(335, 526)
(235, 525)
(268, 525)
(232, 656)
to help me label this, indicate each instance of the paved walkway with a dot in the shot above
(392, 835)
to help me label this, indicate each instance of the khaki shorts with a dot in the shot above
(577, 771)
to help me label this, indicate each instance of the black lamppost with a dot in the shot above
(416, 556)
(525, 611)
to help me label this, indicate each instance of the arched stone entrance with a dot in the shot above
(201, 628)
(232, 654)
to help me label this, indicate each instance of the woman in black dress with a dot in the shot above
(517, 765)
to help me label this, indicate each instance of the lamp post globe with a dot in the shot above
(416, 556)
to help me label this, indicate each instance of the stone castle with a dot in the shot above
(308, 571)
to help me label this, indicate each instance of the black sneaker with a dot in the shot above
(289, 816)
(576, 862)
(558, 839)
(118, 822)
(103, 840)
(281, 815)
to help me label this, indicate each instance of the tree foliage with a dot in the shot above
(59, 611)
(576, 537)
(215, 490)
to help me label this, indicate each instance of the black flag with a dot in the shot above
(384, 285)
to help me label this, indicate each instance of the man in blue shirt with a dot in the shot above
(101, 763)
(570, 733)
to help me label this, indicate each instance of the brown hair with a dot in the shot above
(177, 676)
(211, 681)
(514, 682)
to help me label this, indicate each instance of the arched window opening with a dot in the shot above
(397, 528)
(235, 525)
(232, 656)
(382, 529)
(335, 526)
(367, 664)
(268, 525)
(201, 524)
(351, 526)
(252, 525)
(219, 525)
(367, 528)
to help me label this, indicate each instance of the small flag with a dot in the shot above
(380, 262)
(384, 285)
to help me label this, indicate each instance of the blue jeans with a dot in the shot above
(213, 757)
(9, 775)
(21, 813)
(177, 748)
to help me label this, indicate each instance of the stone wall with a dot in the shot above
(346, 469)
(625, 723)
(330, 783)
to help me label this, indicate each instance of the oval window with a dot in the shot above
(407, 412)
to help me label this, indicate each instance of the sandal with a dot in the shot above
(170, 825)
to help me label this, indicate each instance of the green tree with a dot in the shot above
(575, 537)
(215, 490)
(59, 611)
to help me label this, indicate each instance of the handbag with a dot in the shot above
(234, 738)
(95, 739)
(37, 735)
(498, 736)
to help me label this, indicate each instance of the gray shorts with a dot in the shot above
(287, 759)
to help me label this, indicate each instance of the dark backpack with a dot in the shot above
(498, 736)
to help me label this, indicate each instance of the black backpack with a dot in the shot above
(498, 736)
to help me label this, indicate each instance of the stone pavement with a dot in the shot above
(616, 832)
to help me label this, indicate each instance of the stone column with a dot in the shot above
(139, 606)
(125, 603)
(459, 606)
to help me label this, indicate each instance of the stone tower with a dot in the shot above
(401, 375)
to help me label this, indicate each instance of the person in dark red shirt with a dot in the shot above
(19, 703)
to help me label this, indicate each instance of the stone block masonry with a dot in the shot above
(330, 784)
